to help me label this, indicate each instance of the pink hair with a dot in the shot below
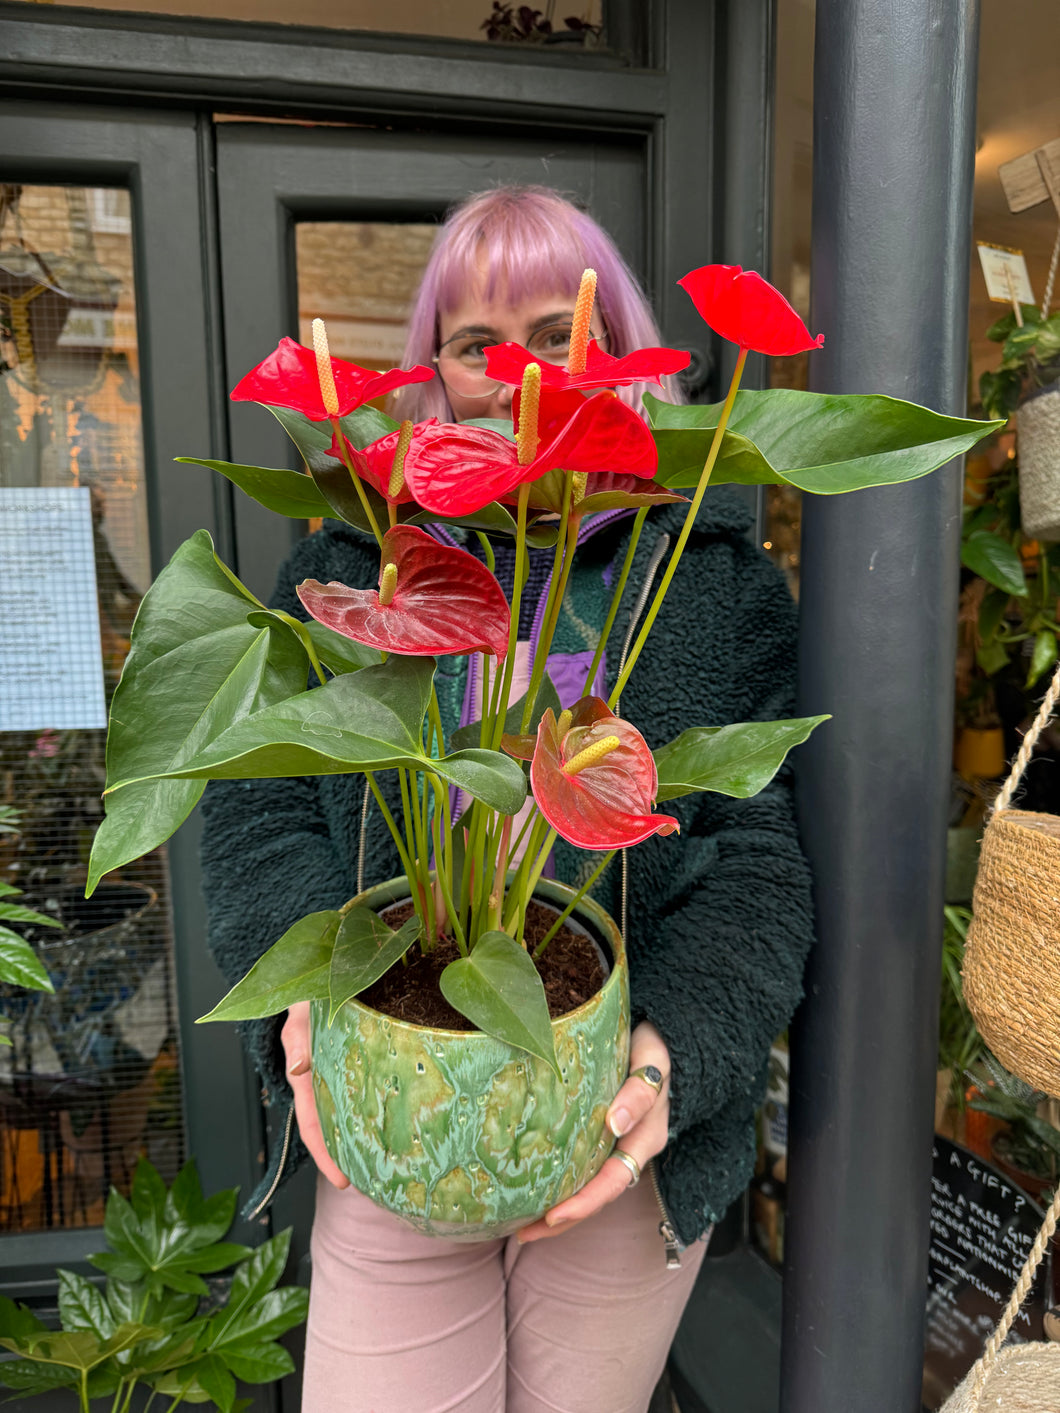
(535, 242)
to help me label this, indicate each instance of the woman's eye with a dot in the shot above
(473, 352)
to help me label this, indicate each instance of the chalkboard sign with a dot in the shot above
(982, 1228)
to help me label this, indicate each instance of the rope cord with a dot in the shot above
(1019, 1295)
(1019, 765)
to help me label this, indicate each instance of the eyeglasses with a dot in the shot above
(461, 360)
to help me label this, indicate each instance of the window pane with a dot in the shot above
(360, 277)
(91, 1078)
(451, 19)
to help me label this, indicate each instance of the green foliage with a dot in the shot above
(825, 443)
(737, 760)
(150, 1326)
(19, 963)
(1030, 359)
(960, 1044)
(499, 989)
(1032, 1143)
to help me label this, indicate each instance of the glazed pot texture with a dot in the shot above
(458, 1133)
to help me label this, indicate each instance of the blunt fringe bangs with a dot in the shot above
(528, 241)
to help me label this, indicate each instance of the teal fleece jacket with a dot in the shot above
(719, 917)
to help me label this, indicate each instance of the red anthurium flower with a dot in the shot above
(454, 470)
(288, 378)
(745, 309)
(594, 778)
(432, 599)
(506, 361)
(375, 463)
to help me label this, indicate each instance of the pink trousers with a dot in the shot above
(404, 1323)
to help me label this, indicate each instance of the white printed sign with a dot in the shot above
(1005, 272)
(51, 662)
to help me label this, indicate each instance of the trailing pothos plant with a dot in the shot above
(215, 686)
(155, 1325)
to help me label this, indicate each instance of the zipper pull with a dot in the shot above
(673, 1251)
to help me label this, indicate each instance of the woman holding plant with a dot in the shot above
(719, 918)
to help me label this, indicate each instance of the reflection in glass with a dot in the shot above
(91, 1078)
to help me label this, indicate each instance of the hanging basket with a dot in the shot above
(1012, 956)
(1021, 1378)
(1039, 443)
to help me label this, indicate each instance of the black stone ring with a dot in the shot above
(651, 1075)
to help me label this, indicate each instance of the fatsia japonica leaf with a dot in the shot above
(285, 492)
(365, 948)
(196, 665)
(737, 760)
(296, 968)
(498, 989)
(826, 443)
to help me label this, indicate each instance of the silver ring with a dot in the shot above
(630, 1163)
(651, 1075)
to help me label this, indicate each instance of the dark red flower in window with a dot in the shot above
(506, 361)
(455, 470)
(594, 778)
(747, 310)
(431, 599)
(288, 378)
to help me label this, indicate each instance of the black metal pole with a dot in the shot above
(894, 113)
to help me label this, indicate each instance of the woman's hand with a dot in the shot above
(295, 1040)
(640, 1118)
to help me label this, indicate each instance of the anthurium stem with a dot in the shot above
(686, 530)
(522, 888)
(362, 494)
(565, 914)
(395, 834)
(554, 586)
(500, 873)
(548, 631)
(535, 874)
(441, 812)
(616, 599)
(513, 632)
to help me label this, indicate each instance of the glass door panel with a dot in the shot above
(92, 1077)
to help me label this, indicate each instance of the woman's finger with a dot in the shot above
(294, 1038)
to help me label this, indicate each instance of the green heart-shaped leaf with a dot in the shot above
(737, 760)
(498, 989)
(826, 443)
(365, 948)
(196, 665)
(296, 968)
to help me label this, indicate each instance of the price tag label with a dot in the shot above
(1005, 273)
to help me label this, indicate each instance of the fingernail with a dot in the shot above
(299, 1066)
(618, 1121)
(552, 1220)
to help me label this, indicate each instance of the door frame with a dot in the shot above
(157, 157)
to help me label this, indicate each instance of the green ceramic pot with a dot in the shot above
(456, 1132)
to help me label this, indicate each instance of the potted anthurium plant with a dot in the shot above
(436, 1122)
